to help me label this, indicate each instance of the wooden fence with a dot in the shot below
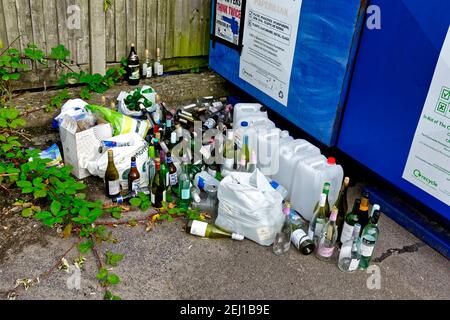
(180, 28)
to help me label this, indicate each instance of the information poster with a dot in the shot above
(269, 41)
(228, 20)
(428, 165)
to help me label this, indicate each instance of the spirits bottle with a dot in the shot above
(133, 67)
(206, 230)
(184, 186)
(342, 205)
(157, 67)
(319, 220)
(350, 254)
(369, 240)
(350, 220)
(328, 238)
(282, 240)
(158, 190)
(112, 180)
(134, 178)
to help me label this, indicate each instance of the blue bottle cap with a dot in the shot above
(274, 184)
(244, 124)
(201, 183)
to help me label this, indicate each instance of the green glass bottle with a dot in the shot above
(319, 220)
(158, 190)
(184, 185)
(369, 240)
(206, 230)
(342, 205)
(350, 220)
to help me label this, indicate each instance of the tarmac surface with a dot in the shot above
(167, 263)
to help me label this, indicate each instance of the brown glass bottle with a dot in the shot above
(133, 67)
(134, 177)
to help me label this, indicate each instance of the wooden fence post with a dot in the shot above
(97, 33)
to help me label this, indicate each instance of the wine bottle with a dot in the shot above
(326, 191)
(146, 66)
(282, 240)
(173, 174)
(342, 205)
(133, 67)
(363, 211)
(350, 254)
(151, 164)
(303, 242)
(375, 207)
(328, 238)
(369, 240)
(206, 230)
(319, 220)
(157, 67)
(350, 220)
(184, 186)
(158, 190)
(112, 179)
(242, 167)
(229, 152)
(134, 178)
(165, 169)
(210, 123)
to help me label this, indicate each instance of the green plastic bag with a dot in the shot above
(121, 124)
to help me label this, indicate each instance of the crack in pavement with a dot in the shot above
(406, 249)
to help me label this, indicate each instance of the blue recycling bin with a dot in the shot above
(325, 47)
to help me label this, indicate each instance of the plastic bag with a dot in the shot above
(250, 206)
(75, 109)
(138, 148)
(147, 92)
(121, 124)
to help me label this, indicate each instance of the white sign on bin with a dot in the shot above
(270, 37)
(428, 165)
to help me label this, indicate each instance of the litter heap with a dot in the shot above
(232, 162)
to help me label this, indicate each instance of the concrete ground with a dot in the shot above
(167, 263)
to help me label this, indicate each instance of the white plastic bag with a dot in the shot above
(122, 159)
(250, 206)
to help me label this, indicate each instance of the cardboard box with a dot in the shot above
(79, 147)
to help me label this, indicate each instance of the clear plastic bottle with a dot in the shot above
(328, 238)
(350, 254)
(282, 240)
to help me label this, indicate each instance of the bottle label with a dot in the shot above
(325, 252)
(298, 237)
(347, 233)
(149, 72)
(114, 187)
(185, 194)
(167, 179)
(164, 196)
(198, 228)
(210, 123)
(135, 185)
(353, 265)
(367, 248)
(134, 72)
(160, 70)
(319, 227)
(264, 233)
(152, 198)
(237, 237)
(173, 179)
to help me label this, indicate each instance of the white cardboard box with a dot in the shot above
(79, 147)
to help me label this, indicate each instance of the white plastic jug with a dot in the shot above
(266, 142)
(334, 174)
(285, 137)
(250, 129)
(250, 111)
(290, 156)
(307, 185)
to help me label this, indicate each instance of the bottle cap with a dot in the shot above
(196, 198)
(375, 207)
(244, 124)
(323, 199)
(237, 237)
(263, 109)
(346, 181)
(274, 184)
(133, 159)
(331, 161)
(201, 183)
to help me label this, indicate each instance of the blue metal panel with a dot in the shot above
(392, 76)
(328, 34)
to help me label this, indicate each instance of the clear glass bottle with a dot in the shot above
(350, 254)
(253, 162)
(328, 238)
(282, 240)
(319, 220)
(184, 186)
(369, 240)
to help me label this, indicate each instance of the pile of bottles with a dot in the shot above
(355, 232)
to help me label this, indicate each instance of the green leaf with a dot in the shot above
(55, 207)
(113, 279)
(59, 53)
(43, 215)
(135, 202)
(39, 194)
(102, 274)
(116, 215)
(27, 212)
(85, 247)
(24, 184)
(113, 259)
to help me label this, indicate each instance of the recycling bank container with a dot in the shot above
(397, 117)
(294, 56)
